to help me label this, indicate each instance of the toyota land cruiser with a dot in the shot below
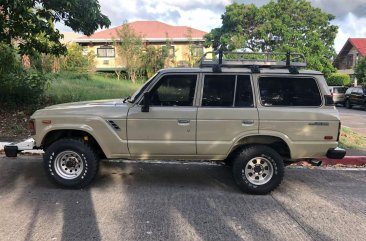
(255, 113)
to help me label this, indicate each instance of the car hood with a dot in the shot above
(114, 108)
(87, 104)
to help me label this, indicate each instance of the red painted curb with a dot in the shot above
(347, 160)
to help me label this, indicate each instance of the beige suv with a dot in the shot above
(254, 114)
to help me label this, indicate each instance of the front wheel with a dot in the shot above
(258, 169)
(70, 163)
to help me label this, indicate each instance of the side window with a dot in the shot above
(244, 95)
(174, 90)
(289, 91)
(218, 90)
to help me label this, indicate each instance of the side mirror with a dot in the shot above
(146, 102)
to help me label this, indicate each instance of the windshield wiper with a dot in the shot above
(126, 99)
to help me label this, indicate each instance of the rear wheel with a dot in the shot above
(258, 169)
(70, 163)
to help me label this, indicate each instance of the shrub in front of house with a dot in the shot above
(338, 79)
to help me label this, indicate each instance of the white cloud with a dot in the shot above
(351, 26)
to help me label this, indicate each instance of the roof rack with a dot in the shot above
(252, 60)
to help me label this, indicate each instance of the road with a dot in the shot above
(354, 118)
(139, 201)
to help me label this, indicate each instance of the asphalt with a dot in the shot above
(139, 201)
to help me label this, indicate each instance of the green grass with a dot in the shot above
(72, 87)
(351, 140)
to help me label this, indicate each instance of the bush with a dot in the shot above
(338, 79)
(76, 60)
(18, 85)
(360, 71)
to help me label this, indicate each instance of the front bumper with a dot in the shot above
(13, 149)
(336, 153)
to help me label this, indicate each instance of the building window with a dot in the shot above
(350, 61)
(105, 52)
(197, 51)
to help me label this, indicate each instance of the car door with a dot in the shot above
(227, 111)
(169, 127)
(354, 96)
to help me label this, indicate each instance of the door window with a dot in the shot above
(218, 90)
(174, 90)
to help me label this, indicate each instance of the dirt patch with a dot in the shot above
(14, 125)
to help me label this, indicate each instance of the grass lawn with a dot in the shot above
(351, 140)
(71, 87)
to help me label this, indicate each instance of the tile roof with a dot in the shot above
(359, 44)
(149, 30)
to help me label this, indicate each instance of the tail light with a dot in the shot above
(32, 126)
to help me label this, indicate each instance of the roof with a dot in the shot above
(150, 31)
(358, 43)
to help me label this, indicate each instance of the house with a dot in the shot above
(155, 33)
(347, 58)
(69, 37)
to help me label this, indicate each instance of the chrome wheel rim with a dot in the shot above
(68, 165)
(258, 171)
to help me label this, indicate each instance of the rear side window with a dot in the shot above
(339, 90)
(289, 91)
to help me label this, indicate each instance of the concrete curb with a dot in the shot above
(347, 160)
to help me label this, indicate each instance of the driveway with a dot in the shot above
(354, 118)
(139, 201)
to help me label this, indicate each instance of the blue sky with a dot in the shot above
(206, 14)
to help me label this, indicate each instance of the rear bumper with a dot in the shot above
(13, 149)
(336, 153)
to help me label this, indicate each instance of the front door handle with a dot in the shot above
(247, 122)
(184, 122)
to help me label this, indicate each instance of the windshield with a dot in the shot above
(139, 92)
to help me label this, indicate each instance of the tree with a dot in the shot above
(360, 71)
(30, 24)
(279, 26)
(129, 48)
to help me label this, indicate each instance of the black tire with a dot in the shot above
(252, 154)
(74, 156)
(348, 105)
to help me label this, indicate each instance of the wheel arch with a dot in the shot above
(275, 142)
(58, 134)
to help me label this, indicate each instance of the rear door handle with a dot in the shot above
(184, 122)
(247, 122)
